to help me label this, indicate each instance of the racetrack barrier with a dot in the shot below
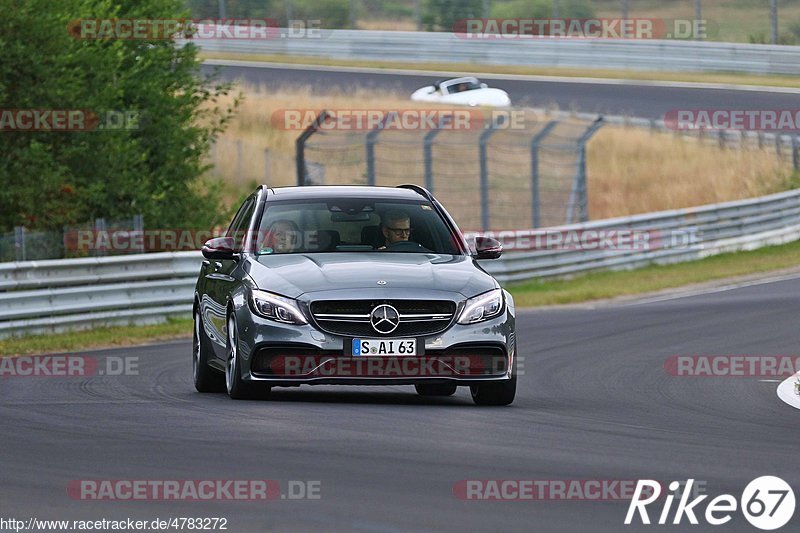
(56, 295)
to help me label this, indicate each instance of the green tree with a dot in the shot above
(50, 179)
(443, 14)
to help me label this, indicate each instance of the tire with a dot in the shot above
(443, 389)
(495, 392)
(205, 378)
(498, 393)
(237, 388)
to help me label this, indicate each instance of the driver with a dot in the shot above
(396, 227)
(283, 237)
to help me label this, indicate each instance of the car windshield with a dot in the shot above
(464, 86)
(353, 225)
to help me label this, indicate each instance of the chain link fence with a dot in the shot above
(85, 240)
(492, 178)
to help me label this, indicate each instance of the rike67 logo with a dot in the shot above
(767, 503)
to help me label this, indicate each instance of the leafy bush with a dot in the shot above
(443, 14)
(541, 9)
(52, 179)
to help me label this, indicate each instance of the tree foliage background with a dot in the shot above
(51, 179)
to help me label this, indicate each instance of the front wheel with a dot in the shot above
(494, 393)
(204, 377)
(237, 388)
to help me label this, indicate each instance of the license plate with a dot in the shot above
(387, 347)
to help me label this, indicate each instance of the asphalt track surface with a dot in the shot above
(633, 100)
(595, 402)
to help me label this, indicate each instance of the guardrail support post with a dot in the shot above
(579, 193)
(138, 229)
(535, 198)
(796, 152)
(19, 243)
(100, 227)
(300, 147)
(484, 164)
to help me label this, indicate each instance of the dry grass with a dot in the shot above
(631, 170)
(636, 171)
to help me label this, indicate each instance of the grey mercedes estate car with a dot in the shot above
(352, 286)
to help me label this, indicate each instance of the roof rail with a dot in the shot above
(418, 189)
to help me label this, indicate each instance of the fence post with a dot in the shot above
(484, 164)
(371, 141)
(427, 150)
(300, 147)
(19, 243)
(535, 199)
(138, 230)
(796, 152)
(779, 145)
(579, 193)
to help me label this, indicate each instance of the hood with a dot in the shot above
(293, 275)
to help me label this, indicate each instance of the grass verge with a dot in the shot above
(586, 288)
(601, 285)
(643, 75)
(174, 328)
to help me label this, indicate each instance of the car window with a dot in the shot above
(241, 223)
(353, 225)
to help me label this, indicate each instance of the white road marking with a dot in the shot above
(712, 290)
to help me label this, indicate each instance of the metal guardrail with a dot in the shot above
(49, 296)
(56, 295)
(439, 47)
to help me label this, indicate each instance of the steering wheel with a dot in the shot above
(405, 246)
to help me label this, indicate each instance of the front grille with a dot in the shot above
(352, 317)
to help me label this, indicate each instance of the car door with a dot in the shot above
(223, 276)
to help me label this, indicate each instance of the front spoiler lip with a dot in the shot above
(282, 381)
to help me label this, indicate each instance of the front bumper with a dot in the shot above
(287, 355)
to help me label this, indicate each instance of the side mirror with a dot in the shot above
(484, 86)
(487, 248)
(219, 248)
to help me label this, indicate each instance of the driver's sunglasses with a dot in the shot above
(400, 231)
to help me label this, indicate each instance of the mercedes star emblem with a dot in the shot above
(384, 319)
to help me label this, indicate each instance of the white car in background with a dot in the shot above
(462, 91)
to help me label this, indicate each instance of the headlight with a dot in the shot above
(482, 307)
(276, 307)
